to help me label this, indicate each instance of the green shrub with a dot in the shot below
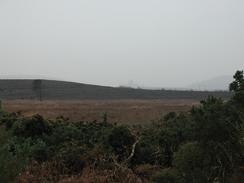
(41, 152)
(170, 115)
(148, 149)
(31, 127)
(8, 119)
(71, 155)
(120, 140)
(13, 162)
(175, 131)
(63, 132)
(145, 154)
(194, 163)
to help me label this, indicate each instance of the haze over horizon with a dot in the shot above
(153, 43)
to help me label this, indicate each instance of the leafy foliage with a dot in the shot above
(237, 86)
(33, 127)
(119, 139)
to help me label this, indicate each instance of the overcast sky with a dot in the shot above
(163, 43)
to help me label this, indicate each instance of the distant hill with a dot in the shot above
(217, 83)
(60, 90)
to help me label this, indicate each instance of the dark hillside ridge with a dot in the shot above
(61, 90)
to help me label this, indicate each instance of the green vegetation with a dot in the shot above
(204, 145)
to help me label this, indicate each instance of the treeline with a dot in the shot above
(203, 145)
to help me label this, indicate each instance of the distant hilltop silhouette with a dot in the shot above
(217, 83)
(63, 90)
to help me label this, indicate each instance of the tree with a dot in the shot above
(37, 88)
(217, 133)
(194, 163)
(237, 86)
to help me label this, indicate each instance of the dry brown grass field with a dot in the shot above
(119, 111)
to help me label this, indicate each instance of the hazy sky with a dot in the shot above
(165, 43)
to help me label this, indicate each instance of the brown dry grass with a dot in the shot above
(48, 173)
(119, 111)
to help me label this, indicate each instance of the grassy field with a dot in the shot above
(119, 111)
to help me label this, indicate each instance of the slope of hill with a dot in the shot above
(60, 90)
(217, 83)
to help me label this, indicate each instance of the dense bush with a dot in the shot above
(71, 156)
(41, 151)
(148, 150)
(194, 164)
(31, 127)
(120, 140)
(13, 162)
(8, 119)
